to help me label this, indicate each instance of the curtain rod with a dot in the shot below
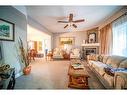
(119, 17)
(115, 19)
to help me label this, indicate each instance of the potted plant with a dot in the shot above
(24, 58)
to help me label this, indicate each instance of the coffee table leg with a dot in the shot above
(69, 81)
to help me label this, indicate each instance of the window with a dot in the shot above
(119, 28)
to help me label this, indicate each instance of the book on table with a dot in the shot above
(77, 66)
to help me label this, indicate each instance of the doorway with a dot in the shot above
(38, 42)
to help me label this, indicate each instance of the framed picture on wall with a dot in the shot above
(92, 37)
(67, 40)
(6, 30)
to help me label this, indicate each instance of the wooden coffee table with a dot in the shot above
(78, 78)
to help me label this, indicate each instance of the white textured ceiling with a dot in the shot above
(49, 15)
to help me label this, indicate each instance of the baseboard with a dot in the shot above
(18, 74)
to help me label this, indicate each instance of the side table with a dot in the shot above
(8, 83)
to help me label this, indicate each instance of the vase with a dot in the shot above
(27, 70)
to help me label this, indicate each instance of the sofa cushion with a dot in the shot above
(101, 67)
(93, 57)
(98, 66)
(109, 71)
(95, 63)
(100, 58)
(105, 58)
(114, 61)
(123, 64)
(91, 62)
(120, 83)
(101, 71)
(109, 79)
(120, 80)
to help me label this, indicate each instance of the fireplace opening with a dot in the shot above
(89, 51)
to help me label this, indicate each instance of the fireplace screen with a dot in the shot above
(90, 51)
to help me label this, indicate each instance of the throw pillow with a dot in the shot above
(109, 71)
(100, 58)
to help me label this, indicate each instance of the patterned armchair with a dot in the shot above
(57, 53)
(75, 53)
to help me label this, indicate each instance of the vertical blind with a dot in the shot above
(119, 29)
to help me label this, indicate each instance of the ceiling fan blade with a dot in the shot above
(65, 26)
(70, 17)
(63, 22)
(75, 26)
(77, 21)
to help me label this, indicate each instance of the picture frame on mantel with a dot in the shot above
(7, 30)
(92, 35)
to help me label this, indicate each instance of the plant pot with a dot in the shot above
(27, 70)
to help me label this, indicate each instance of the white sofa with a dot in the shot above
(57, 53)
(117, 66)
(75, 53)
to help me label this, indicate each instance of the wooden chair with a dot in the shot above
(32, 54)
(49, 55)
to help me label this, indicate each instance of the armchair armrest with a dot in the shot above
(120, 80)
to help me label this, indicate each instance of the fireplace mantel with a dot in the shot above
(91, 45)
(90, 48)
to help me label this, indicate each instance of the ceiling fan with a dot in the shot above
(71, 22)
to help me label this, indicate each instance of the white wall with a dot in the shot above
(34, 34)
(78, 35)
(9, 51)
(35, 25)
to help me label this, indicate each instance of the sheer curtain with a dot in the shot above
(119, 29)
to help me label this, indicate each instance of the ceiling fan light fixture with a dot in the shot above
(71, 22)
